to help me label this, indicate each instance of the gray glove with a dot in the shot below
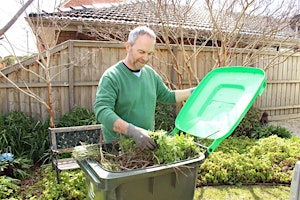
(140, 137)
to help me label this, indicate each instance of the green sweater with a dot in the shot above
(122, 94)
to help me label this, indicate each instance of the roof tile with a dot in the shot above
(139, 13)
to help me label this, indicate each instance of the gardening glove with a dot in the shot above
(140, 137)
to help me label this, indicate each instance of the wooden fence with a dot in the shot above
(76, 67)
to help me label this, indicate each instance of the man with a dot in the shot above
(128, 91)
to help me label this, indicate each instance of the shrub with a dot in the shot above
(266, 131)
(248, 123)
(22, 135)
(77, 117)
(17, 168)
(164, 117)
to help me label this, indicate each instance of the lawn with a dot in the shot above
(254, 192)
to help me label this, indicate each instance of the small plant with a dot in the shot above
(72, 186)
(266, 131)
(16, 168)
(8, 187)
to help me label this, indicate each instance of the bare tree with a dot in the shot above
(254, 26)
(232, 28)
(45, 42)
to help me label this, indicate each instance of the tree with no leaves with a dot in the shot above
(233, 28)
(43, 59)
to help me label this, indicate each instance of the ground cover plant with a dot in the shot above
(243, 161)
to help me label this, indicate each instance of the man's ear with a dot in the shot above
(127, 46)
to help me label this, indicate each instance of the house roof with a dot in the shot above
(74, 3)
(189, 18)
(120, 13)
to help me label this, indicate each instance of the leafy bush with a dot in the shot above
(17, 168)
(22, 135)
(77, 117)
(266, 131)
(72, 186)
(8, 187)
(164, 117)
(248, 123)
(268, 160)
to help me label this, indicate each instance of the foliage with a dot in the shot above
(8, 187)
(164, 117)
(266, 131)
(72, 186)
(248, 161)
(248, 123)
(24, 136)
(174, 148)
(237, 161)
(169, 149)
(8, 60)
(77, 117)
(251, 127)
(17, 168)
(1, 121)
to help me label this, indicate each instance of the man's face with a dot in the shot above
(140, 52)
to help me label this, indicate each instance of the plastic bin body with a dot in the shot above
(176, 181)
(295, 184)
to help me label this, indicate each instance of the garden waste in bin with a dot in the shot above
(213, 111)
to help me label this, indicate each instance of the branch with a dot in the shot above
(14, 19)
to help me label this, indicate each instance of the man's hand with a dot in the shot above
(141, 137)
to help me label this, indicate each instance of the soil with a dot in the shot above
(26, 184)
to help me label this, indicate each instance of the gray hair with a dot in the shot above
(141, 30)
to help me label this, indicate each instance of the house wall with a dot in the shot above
(72, 35)
(76, 67)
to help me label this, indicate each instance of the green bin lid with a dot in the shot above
(220, 101)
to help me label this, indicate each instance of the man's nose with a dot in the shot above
(145, 57)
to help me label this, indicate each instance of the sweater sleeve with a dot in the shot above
(104, 103)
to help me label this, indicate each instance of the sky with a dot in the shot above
(20, 35)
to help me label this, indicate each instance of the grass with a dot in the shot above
(254, 192)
